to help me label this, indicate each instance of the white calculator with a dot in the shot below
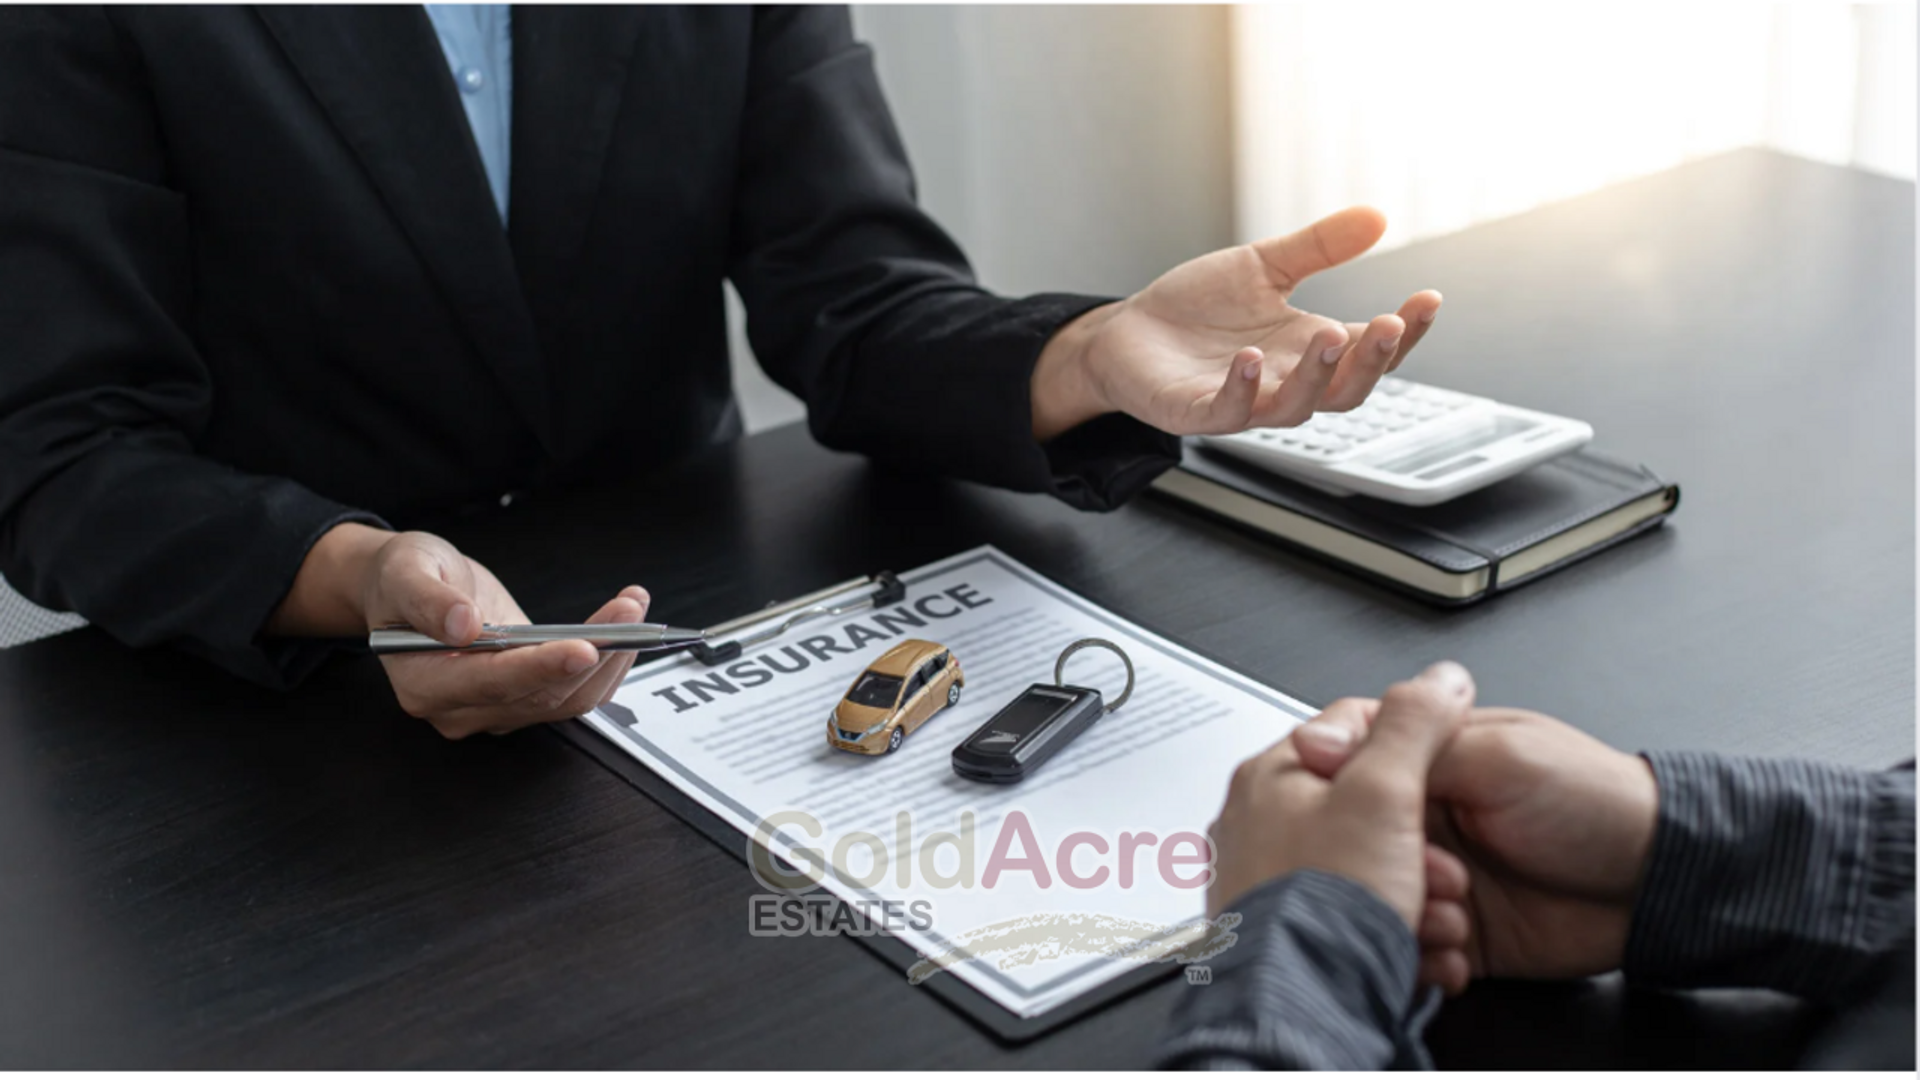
(1409, 443)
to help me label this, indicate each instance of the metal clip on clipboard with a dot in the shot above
(859, 594)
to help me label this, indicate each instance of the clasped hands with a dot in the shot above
(1510, 843)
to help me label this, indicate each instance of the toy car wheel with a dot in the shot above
(953, 695)
(893, 741)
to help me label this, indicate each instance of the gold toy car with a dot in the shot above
(895, 695)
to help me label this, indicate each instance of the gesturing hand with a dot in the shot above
(1365, 824)
(1215, 345)
(1553, 828)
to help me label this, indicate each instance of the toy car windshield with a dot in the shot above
(875, 690)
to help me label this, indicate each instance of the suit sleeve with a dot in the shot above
(106, 509)
(860, 304)
(1785, 875)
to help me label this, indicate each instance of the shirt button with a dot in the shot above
(472, 79)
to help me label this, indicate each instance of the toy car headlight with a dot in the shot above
(848, 734)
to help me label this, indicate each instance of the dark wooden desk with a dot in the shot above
(197, 873)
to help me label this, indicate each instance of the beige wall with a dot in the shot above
(1081, 148)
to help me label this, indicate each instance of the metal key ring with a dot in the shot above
(1060, 666)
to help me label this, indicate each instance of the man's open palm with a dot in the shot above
(1215, 345)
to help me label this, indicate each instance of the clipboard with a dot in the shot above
(728, 639)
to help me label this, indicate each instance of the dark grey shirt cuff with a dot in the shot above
(1787, 875)
(1322, 977)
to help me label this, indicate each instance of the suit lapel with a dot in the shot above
(570, 68)
(382, 79)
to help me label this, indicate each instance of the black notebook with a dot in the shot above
(1457, 552)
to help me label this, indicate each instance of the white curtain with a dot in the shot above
(1451, 112)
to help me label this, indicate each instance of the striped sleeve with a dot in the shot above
(1786, 875)
(1322, 977)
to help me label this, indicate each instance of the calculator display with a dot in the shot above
(1502, 427)
(1026, 715)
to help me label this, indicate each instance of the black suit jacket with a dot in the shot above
(252, 284)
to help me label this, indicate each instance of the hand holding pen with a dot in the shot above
(358, 577)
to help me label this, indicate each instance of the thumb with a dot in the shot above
(1326, 243)
(417, 589)
(1415, 720)
(1325, 742)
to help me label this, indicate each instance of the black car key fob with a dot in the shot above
(1036, 725)
(1032, 728)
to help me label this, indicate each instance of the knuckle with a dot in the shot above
(1412, 695)
(406, 549)
(1502, 742)
(421, 540)
(1245, 776)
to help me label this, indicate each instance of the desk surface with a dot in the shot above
(194, 872)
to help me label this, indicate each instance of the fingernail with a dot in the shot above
(1250, 370)
(1427, 316)
(1332, 355)
(1387, 345)
(457, 617)
(1450, 676)
(578, 663)
(1329, 736)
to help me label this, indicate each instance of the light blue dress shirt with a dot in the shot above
(478, 41)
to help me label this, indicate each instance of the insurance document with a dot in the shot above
(1032, 893)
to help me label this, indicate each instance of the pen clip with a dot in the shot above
(887, 589)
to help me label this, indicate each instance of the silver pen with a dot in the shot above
(607, 637)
